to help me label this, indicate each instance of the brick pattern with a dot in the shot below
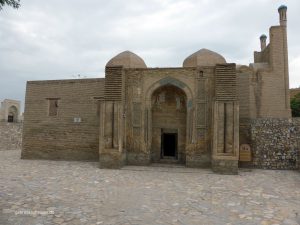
(262, 57)
(244, 95)
(225, 82)
(113, 83)
(60, 137)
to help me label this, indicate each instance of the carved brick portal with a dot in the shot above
(168, 118)
(158, 118)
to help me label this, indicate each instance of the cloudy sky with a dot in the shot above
(60, 39)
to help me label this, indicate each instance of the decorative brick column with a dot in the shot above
(225, 146)
(111, 153)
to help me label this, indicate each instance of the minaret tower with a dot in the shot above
(263, 42)
(282, 15)
(283, 24)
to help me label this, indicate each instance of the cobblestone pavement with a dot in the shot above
(57, 192)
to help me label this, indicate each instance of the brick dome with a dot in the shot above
(203, 57)
(128, 60)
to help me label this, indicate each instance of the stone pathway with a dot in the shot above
(36, 192)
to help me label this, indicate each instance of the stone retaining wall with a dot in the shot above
(275, 143)
(10, 136)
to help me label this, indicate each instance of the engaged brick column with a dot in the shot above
(111, 154)
(225, 152)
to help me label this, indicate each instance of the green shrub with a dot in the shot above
(295, 105)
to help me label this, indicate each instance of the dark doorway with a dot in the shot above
(169, 145)
(10, 119)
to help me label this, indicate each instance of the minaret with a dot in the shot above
(263, 42)
(283, 24)
(282, 15)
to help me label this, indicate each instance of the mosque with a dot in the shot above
(197, 115)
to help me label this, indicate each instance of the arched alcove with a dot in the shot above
(12, 114)
(184, 136)
(169, 113)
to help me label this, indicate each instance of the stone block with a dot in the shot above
(135, 158)
(225, 166)
(111, 159)
(202, 160)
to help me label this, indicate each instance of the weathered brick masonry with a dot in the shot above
(59, 137)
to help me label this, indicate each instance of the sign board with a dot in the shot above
(245, 153)
(77, 120)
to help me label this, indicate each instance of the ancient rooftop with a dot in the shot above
(127, 59)
(203, 57)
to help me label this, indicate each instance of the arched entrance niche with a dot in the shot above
(12, 114)
(169, 105)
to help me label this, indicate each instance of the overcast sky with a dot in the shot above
(59, 39)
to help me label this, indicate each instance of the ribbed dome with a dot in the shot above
(203, 57)
(128, 60)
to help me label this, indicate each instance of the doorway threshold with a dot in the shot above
(164, 164)
(169, 160)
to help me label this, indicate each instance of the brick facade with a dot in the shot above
(61, 136)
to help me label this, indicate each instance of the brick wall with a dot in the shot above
(243, 82)
(10, 136)
(273, 99)
(59, 137)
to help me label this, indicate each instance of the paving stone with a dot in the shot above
(66, 192)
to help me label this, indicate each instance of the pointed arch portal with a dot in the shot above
(169, 103)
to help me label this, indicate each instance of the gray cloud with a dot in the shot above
(58, 40)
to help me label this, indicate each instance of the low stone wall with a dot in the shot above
(275, 143)
(10, 136)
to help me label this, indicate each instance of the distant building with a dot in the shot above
(10, 111)
(294, 91)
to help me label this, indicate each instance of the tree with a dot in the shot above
(295, 105)
(14, 3)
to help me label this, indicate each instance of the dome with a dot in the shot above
(282, 7)
(203, 57)
(263, 36)
(128, 60)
